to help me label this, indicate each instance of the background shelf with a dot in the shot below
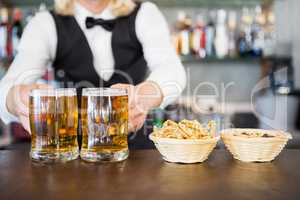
(193, 60)
(164, 3)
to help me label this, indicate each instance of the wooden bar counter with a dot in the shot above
(146, 176)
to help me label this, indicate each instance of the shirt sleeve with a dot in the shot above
(165, 66)
(36, 50)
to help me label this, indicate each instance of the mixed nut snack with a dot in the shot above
(186, 129)
(258, 134)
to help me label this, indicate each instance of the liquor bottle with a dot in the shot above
(17, 30)
(9, 44)
(210, 36)
(3, 32)
(175, 41)
(270, 36)
(198, 39)
(232, 26)
(221, 40)
(257, 33)
(184, 36)
(42, 7)
(183, 25)
(244, 42)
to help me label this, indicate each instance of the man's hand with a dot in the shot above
(17, 102)
(142, 98)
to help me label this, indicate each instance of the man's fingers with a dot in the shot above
(22, 96)
(25, 122)
(120, 86)
(131, 127)
(44, 86)
(135, 113)
(140, 121)
(136, 123)
(137, 109)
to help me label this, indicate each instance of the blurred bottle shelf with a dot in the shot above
(193, 60)
(164, 3)
(4, 62)
(226, 35)
(20, 3)
(209, 3)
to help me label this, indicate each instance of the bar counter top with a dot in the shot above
(146, 176)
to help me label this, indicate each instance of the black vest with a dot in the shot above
(74, 66)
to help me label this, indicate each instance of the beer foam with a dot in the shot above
(104, 92)
(66, 92)
(43, 92)
(54, 92)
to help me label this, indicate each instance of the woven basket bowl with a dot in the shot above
(257, 149)
(184, 150)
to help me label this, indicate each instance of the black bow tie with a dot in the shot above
(106, 24)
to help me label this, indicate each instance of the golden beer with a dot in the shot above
(104, 114)
(67, 123)
(42, 116)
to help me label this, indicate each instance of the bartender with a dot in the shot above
(97, 43)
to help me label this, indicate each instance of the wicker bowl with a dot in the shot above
(184, 150)
(255, 149)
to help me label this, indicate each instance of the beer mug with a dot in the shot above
(67, 123)
(42, 116)
(104, 115)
